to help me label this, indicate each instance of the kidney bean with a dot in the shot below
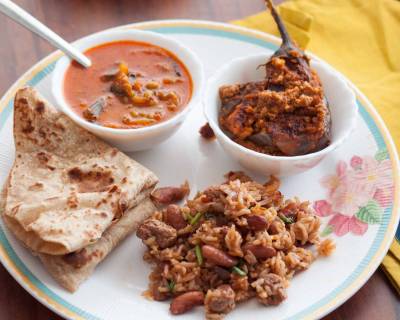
(257, 223)
(173, 217)
(168, 195)
(186, 302)
(260, 251)
(222, 273)
(218, 257)
(290, 211)
(206, 132)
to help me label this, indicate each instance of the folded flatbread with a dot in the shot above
(72, 269)
(66, 187)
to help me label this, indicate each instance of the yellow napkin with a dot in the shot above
(360, 38)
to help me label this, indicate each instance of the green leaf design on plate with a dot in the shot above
(327, 231)
(371, 213)
(381, 155)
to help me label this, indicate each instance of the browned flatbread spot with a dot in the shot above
(91, 181)
(36, 186)
(39, 107)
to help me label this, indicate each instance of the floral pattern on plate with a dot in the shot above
(358, 193)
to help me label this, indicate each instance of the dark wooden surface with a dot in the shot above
(19, 49)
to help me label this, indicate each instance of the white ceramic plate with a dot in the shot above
(355, 189)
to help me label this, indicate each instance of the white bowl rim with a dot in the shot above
(128, 35)
(332, 146)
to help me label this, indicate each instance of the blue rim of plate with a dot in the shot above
(331, 300)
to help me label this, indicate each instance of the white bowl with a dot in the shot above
(342, 103)
(140, 138)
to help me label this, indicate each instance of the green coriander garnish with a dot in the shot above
(199, 255)
(239, 271)
(196, 218)
(286, 220)
(171, 285)
(240, 263)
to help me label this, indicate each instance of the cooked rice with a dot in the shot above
(288, 240)
(326, 247)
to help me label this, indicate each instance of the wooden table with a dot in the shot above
(73, 19)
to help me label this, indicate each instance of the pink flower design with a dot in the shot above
(356, 162)
(352, 188)
(322, 208)
(331, 182)
(384, 196)
(342, 225)
(377, 178)
(350, 195)
(357, 227)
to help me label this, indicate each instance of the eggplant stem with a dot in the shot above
(287, 41)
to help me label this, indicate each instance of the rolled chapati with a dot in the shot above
(67, 187)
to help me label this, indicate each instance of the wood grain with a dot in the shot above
(73, 19)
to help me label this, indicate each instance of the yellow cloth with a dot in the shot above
(391, 265)
(360, 38)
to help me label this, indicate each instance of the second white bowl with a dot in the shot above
(342, 103)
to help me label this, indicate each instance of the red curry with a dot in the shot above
(129, 85)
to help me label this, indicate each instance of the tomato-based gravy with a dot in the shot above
(129, 85)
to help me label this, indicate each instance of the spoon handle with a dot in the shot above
(22, 17)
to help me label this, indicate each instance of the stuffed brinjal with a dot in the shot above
(285, 114)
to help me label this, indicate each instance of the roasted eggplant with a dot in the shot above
(285, 114)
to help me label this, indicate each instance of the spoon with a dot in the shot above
(22, 17)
